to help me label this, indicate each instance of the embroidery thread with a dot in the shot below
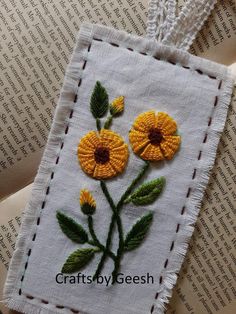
(103, 154)
(153, 137)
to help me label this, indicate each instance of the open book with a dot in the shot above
(37, 41)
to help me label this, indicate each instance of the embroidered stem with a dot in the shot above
(95, 241)
(117, 219)
(132, 185)
(120, 204)
(112, 224)
(108, 122)
(98, 124)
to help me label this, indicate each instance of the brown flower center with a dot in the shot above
(102, 155)
(155, 136)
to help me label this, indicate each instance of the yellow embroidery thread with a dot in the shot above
(102, 154)
(87, 202)
(153, 136)
(117, 106)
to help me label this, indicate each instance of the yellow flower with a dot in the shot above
(117, 106)
(153, 136)
(103, 154)
(87, 202)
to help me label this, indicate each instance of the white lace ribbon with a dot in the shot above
(177, 30)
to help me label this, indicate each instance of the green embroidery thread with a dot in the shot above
(145, 194)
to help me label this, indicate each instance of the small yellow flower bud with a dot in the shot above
(87, 202)
(117, 106)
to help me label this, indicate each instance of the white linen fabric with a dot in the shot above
(196, 93)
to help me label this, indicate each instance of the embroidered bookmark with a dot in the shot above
(121, 181)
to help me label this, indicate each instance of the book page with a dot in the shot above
(37, 39)
(10, 218)
(207, 281)
(217, 39)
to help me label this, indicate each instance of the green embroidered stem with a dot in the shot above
(108, 122)
(98, 124)
(112, 224)
(108, 196)
(120, 204)
(116, 219)
(95, 241)
(132, 185)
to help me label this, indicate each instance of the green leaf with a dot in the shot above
(147, 193)
(99, 102)
(78, 260)
(138, 232)
(72, 229)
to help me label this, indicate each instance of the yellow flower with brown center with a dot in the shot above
(153, 136)
(87, 202)
(103, 154)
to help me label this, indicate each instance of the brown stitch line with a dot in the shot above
(84, 65)
(156, 295)
(183, 210)
(210, 121)
(59, 306)
(186, 67)
(200, 155)
(194, 173)
(130, 49)
(48, 188)
(57, 160)
(220, 84)
(212, 77)
(160, 280)
(172, 62)
(97, 39)
(177, 228)
(143, 53)
(166, 263)
(67, 129)
(71, 114)
(199, 71)
(75, 99)
(172, 246)
(188, 193)
(152, 308)
(114, 44)
(29, 252)
(205, 138)
(216, 101)
(89, 47)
